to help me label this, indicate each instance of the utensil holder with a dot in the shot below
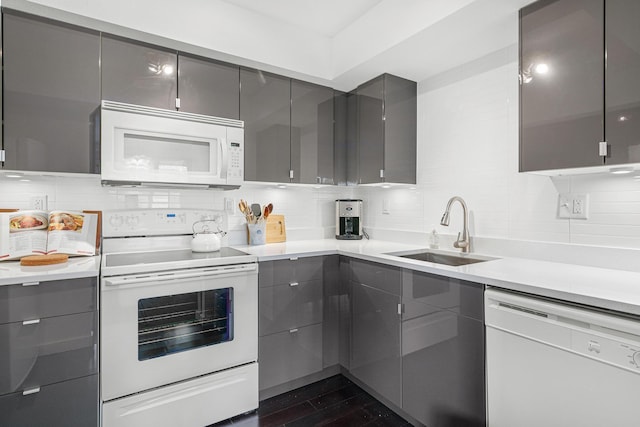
(257, 233)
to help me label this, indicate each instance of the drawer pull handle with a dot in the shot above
(293, 331)
(31, 391)
(294, 284)
(293, 258)
(31, 322)
(31, 284)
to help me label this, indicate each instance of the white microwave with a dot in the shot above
(145, 146)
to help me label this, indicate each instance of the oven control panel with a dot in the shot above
(156, 222)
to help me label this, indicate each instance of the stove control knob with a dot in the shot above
(115, 221)
(132, 220)
(636, 358)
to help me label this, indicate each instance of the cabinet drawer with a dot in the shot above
(53, 350)
(47, 299)
(285, 307)
(69, 403)
(287, 271)
(287, 356)
(423, 293)
(377, 275)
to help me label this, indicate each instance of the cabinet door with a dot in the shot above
(400, 129)
(311, 133)
(622, 89)
(265, 108)
(208, 87)
(443, 381)
(289, 355)
(375, 340)
(51, 91)
(64, 404)
(370, 126)
(561, 90)
(138, 73)
(285, 307)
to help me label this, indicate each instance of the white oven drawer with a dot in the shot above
(199, 402)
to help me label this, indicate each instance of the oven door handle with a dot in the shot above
(178, 275)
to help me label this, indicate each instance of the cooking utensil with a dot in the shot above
(256, 210)
(265, 214)
(270, 206)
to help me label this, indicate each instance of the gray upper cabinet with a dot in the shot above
(265, 107)
(386, 130)
(575, 91)
(208, 87)
(312, 133)
(622, 99)
(51, 90)
(137, 73)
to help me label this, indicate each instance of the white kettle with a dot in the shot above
(206, 240)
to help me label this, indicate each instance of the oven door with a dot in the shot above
(167, 327)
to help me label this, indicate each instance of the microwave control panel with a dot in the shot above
(235, 146)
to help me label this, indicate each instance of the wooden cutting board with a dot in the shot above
(34, 260)
(276, 230)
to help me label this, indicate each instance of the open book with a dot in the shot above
(24, 233)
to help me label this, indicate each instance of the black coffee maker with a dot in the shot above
(349, 219)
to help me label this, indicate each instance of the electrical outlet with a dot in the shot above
(229, 205)
(39, 202)
(385, 207)
(573, 206)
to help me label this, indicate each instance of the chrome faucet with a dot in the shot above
(463, 243)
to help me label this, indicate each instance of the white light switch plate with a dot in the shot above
(573, 205)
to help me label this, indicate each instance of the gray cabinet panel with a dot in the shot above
(284, 307)
(208, 87)
(53, 350)
(370, 131)
(381, 276)
(400, 129)
(422, 292)
(311, 133)
(288, 355)
(443, 370)
(65, 404)
(443, 380)
(375, 341)
(340, 138)
(265, 101)
(561, 110)
(54, 298)
(290, 270)
(137, 73)
(622, 90)
(51, 89)
(331, 310)
(344, 324)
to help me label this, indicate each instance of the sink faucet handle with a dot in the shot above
(459, 243)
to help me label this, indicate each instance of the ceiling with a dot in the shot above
(325, 17)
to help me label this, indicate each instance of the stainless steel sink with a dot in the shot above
(441, 258)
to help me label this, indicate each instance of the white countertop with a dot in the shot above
(11, 272)
(599, 287)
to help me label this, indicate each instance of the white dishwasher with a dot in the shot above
(554, 364)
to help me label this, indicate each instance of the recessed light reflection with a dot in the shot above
(167, 70)
(623, 118)
(621, 170)
(25, 180)
(541, 68)
(386, 186)
(13, 175)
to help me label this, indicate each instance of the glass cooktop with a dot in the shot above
(162, 257)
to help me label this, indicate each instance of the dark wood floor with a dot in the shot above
(335, 401)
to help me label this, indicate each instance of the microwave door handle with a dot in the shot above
(222, 158)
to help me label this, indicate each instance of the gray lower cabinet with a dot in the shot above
(375, 357)
(49, 361)
(51, 90)
(443, 377)
(291, 312)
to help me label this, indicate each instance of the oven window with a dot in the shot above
(174, 323)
